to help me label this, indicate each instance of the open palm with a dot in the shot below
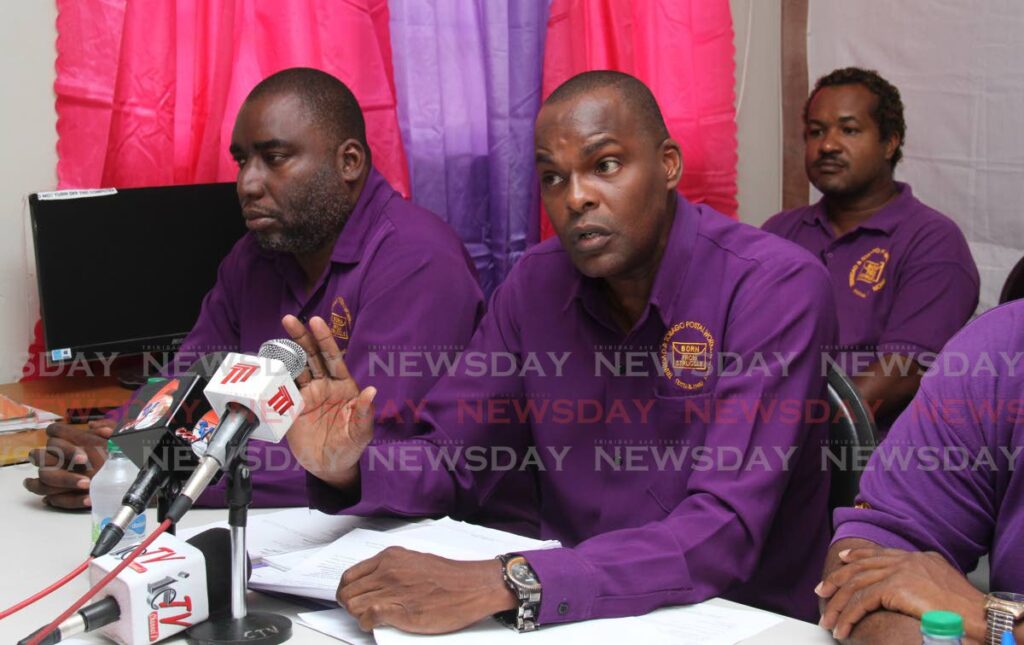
(337, 421)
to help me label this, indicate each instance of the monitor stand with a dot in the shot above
(134, 372)
(132, 378)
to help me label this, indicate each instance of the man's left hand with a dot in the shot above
(423, 593)
(907, 582)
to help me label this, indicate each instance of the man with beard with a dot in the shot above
(635, 268)
(903, 275)
(327, 237)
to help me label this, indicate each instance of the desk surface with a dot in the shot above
(55, 395)
(49, 543)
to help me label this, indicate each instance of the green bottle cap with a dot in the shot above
(942, 623)
(113, 447)
(155, 379)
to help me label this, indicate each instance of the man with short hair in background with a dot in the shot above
(903, 276)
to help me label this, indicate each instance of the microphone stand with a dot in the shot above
(165, 495)
(241, 626)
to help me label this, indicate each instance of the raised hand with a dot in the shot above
(337, 422)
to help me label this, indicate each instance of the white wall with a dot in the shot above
(28, 163)
(757, 25)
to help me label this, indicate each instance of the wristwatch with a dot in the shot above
(523, 582)
(1003, 610)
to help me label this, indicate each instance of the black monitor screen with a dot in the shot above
(126, 272)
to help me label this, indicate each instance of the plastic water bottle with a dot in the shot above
(941, 628)
(106, 490)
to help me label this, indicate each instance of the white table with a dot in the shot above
(41, 544)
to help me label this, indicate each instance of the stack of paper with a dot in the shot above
(704, 624)
(295, 530)
(15, 416)
(315, 573)
(304, 553)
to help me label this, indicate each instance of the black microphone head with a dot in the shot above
(216, 547)
(288, 352)
(167, 417)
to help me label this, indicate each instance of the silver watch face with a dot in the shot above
(523, 574)
(1008, 596)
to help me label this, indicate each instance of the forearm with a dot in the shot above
(404, 478)
(885, 388)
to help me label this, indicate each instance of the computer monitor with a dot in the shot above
(124, 271)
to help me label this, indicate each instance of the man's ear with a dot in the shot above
(672, 162)
(350, 160)
(891, 145)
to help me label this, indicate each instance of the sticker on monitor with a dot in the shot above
(75, 193)
(60, 354)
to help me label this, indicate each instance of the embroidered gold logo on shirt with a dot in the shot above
(341, 319)
(690, 356)
(868, 273)
(687, 351)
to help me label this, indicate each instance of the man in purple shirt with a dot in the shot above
(903, 275)
(662, 353)
(330, 238)
(945, 488)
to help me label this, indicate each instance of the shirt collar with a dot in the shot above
(672, 272)
(351, 241)
(886, 220)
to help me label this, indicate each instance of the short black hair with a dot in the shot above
(888, 112)
(332, 104)
(631, 90)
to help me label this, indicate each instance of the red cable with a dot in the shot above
(99, 585)
(46, 592)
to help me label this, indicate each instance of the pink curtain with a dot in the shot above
(683, 50)
(147, 92)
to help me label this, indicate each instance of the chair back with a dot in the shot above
(852, 436)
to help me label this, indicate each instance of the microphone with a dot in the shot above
(173, 585)
(160, 437)
(254, 396)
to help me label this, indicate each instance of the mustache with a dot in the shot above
(829, 159)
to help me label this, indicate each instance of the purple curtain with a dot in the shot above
(468, 80)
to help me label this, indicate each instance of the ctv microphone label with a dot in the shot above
(281, 402)
(240, 373)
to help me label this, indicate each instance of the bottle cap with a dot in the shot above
(942, 623)
(113, 447)
(155, 379)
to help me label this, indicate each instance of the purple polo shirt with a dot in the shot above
(904, 280)
(641, 446)
(950, 475)
(398, 279)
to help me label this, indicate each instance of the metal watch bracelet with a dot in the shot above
(997, 622)
(524, 617)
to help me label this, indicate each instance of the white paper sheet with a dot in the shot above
(478, 538)
(703, 624)
(336, 623)
(317, 575)
(296, 529)
(709, 624)
(617, 630)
